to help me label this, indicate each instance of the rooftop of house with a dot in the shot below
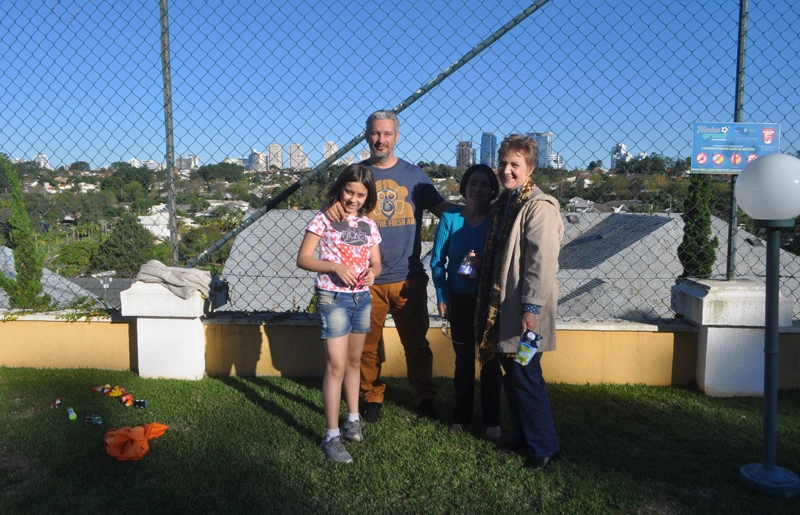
(60, 289)
(612, 265)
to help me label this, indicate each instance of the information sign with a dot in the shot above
(728, 147)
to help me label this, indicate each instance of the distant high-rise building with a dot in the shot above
(275, 158)
(364, 154)
(464, 154)
(297, 157)
(619, 154)
(189, 162)
(134, 162)
(258, 161)
(42, 161)
(348, 160)
(330, 149)
(489, 149)
(546, 156)
(153, 165)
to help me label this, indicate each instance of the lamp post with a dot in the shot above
(768, 190)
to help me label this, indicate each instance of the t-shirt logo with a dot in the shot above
(355, 236)
(391, 200)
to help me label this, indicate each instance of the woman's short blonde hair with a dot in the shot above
(525, 145)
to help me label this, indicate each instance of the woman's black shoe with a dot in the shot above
(539, 463)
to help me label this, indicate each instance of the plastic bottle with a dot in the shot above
(528, 346)
(71, 413)
(467, 267)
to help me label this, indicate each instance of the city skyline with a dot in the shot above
(263, 161)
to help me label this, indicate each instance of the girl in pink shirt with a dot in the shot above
(349, 261)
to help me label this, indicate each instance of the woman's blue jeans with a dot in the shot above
(529, 406)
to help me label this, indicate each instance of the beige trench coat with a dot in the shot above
(529, 272)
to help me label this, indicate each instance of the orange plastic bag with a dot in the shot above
(130, 443)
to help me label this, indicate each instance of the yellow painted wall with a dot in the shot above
(251, 349)
(233, 347)
(60, 344)
(622, 357)
(293, 350)
(582, 356)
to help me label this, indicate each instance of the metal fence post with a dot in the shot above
(741, 57)
(170, 155)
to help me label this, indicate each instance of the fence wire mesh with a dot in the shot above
(263, 92)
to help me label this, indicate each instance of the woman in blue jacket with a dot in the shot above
(463, 229)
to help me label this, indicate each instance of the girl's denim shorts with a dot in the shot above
(342, 313)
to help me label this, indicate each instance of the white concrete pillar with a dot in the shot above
(169, 331)
(730, 343)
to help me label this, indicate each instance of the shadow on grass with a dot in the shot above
(677, 440)
(398, 393)
(256, 396)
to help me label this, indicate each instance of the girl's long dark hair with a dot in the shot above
(354, 173)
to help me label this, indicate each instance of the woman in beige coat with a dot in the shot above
(519, 292)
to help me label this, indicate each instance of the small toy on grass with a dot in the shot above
(140, 403)
(71, 413)
(117, 391)
(95, 420)
(56, 403)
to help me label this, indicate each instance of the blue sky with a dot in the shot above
(81, 80)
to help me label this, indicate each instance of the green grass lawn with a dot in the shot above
(250, 445)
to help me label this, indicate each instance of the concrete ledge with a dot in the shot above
(155, 301)
(730, 342)
(738, 302)
(170, 337)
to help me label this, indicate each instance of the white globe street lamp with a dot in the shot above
(768, 190)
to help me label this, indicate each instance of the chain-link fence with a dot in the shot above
(263, 95)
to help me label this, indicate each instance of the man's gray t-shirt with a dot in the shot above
(404, 192)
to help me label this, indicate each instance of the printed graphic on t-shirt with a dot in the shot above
(355, 236)
(394, 208)
(347, 242)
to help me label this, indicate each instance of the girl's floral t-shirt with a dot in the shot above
(347, 242)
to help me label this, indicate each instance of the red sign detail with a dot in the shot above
(701, 158)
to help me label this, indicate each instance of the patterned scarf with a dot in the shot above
(504, 212)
